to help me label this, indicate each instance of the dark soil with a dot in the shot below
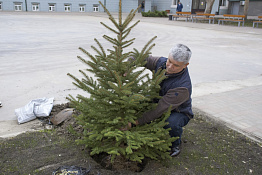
(208, 148)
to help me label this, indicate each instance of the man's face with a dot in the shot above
(173, 66)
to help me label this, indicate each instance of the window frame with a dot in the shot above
(18, 4)
(95, 8)
(51, 7)
(223, 3)
(35, 5)
(67, 7)
(82, 8)
(174, 3)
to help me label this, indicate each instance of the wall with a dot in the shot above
(162, 5)
(128, 5)
(254, 9)
(223, 10)
(111, 5)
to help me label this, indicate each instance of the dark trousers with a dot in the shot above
(176, 122)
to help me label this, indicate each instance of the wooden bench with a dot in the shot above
(204, 16)
(256, 22)
(233, 18)
(186, 15)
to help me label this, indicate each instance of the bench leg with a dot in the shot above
(253, 24)
(243, 23)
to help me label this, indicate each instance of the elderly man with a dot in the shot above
(175, 90)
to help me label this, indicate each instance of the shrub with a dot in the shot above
(154, 14)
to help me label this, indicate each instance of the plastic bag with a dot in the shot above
(43, 107)
(71, 170)
(36, 108)
(25, 113)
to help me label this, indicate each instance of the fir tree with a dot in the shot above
(120, 93)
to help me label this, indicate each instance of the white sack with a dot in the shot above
(43, 107)
(36, 108)
(25, 113)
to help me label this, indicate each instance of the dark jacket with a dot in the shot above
(179, 7)
(142, 5)
(175, 90)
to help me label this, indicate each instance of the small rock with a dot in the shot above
(49, 127)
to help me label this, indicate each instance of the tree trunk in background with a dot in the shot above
(209, 6)
(246, 8)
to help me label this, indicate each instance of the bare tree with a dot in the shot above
(246, 8)
(209, 6)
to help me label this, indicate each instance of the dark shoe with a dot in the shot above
(175, 151)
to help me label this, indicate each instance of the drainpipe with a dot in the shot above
(26, 5)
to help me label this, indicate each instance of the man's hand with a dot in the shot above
(129, 126)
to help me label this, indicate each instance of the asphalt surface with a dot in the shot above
(37, 50)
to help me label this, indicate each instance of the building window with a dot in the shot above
(174, 2)
(67, 8)
(222, 2)
(51, 7)
(95, 8)
(0, 5)
(18, 6)
(81, 8)
(35, 7)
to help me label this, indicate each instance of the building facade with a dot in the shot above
(236, 7)
(219, 7)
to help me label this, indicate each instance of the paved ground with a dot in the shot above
(37, 50)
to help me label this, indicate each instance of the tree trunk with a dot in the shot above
(209, 6)
(246, 8)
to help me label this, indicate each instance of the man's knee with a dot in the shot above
(177, 120)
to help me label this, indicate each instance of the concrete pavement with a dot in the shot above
(37, 50)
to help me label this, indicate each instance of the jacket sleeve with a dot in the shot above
(151, 62)
(174, 97)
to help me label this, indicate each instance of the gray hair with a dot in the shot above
(180, 53)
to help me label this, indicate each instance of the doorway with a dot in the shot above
(139, 2)
(235, 8)
(198, 6)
